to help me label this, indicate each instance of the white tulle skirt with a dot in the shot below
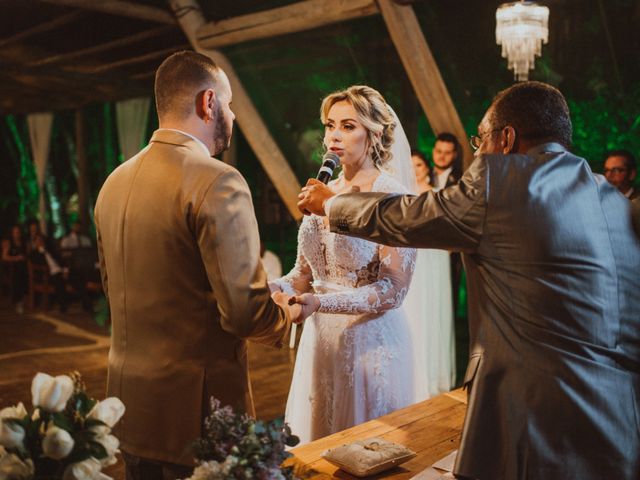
(429, 307)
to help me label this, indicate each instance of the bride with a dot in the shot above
(354, 361)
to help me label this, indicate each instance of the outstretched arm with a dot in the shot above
(451, 219)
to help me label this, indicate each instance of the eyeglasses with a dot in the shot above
(475, 141)
(614, 170)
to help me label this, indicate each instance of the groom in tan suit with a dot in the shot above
(180, 261)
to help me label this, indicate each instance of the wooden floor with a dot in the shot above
(57, 343)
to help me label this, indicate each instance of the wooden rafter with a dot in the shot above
(190, 17)
(296, 17)
(103, 47)
(121, 8)
(423, 72)
(43, 27)
(137, 59)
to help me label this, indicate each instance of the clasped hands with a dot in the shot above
(300, 307)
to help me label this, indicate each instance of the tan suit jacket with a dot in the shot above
(552, 265)
(180, 259)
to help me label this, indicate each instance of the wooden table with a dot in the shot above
(431, 429)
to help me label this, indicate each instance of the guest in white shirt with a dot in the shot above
(75, 238)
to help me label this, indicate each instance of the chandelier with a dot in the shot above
(521, 29)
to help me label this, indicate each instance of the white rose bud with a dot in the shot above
(11, 467)
(51, 393)
(11, 434)
(110, 444)
(108, 411)
(86, 470)
(57, 443)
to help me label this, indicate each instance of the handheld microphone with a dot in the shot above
(330, 162)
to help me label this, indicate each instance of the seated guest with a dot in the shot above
(14, 254)
(75, 238)
(80, 258)
(40, 255)
(620, 170)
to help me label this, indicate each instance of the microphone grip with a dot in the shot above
(324, 174)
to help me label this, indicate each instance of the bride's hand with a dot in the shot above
(309, 303)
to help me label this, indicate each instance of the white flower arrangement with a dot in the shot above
(66, 437)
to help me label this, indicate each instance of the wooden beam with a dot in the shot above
(296, 17)
(42, 28)
(119, 7)
(190, 18)
(423, 72)
(103, 47)
(133, 60)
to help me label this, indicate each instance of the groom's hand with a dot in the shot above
(313, 196)
(309, 303)
(284, 301)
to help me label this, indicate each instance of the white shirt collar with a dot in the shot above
(198, 141)
(442, 178)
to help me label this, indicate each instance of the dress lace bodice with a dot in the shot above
(349, 275)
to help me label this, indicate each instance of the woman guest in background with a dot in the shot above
(422, 171)
(14, 256)
(430, 310)
(354, 361)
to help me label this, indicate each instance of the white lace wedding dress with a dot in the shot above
(354, 361)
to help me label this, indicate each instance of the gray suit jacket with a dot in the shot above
(554, 310)
(180, 261)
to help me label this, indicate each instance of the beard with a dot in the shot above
(221, 133)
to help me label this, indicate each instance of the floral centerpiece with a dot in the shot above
(241, 447)
(67, 436)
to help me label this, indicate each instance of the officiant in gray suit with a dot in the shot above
(554, 308)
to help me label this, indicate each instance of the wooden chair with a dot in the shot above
(39, 284)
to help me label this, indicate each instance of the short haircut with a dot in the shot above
(179, 79)
(537, 111)
(450, 138)
(629, 159)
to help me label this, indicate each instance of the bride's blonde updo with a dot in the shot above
(373, 114)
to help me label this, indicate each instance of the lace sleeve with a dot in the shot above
(299, 279)
(386, 293)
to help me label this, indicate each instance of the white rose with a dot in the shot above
(86, 470)
(12, 468)
(211, 470)
(57, 443)
(11, 434)
(108, 411)
(110, 444)
(18, 412)
(51, 393)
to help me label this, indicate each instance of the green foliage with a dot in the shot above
(604, 123)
